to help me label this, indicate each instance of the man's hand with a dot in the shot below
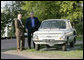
(26, 30)
(23, 26)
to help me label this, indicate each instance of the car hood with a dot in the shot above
(59, 31)
(50, 33)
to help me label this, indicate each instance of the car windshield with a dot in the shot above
(53, 24)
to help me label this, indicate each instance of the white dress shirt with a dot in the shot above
(20, 21)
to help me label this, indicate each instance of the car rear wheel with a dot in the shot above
(64, 47)
(75, 40)
(47, 46)
(37, 46)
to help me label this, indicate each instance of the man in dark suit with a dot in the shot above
(32, 24)
(19, 33)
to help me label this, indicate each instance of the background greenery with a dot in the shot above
(71, 10)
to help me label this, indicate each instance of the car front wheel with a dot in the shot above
(75, 40)
(64, 47)
(72, 44)
(37, 46)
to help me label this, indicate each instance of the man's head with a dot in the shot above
(31, 14)
(19, 16)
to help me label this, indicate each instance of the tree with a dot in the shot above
(9, 14)
(71, 10)
(42, 9)
(74, 12)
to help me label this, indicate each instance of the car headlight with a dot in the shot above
(69, 33)
(62, 37)
(35, 37)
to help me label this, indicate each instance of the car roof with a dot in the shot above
(54, 19)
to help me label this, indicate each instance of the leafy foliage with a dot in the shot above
(9, 15)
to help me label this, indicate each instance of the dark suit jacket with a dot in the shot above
(19, 28)
(29, 24)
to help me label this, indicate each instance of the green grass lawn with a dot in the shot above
(65, 54)
(77, 53)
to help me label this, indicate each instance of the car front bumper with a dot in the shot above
(49, 42)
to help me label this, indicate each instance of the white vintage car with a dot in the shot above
(55, 31)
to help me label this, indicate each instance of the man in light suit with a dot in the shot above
(19, 33)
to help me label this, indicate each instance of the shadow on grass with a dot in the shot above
(59, 48)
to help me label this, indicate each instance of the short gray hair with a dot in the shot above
(31, 13)
(19, 14)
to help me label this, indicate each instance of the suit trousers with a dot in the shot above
(30, 35)
(20, 42)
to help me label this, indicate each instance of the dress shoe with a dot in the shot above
(23, 49)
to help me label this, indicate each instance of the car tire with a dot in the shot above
(37, 46)
(64, 47)
(75, 40)
(72, 44)
(47, 46)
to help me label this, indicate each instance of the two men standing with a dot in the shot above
(32, 24)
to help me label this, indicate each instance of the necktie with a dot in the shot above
(32, 22)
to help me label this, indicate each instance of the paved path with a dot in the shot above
(11, 56)
(6, 44)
